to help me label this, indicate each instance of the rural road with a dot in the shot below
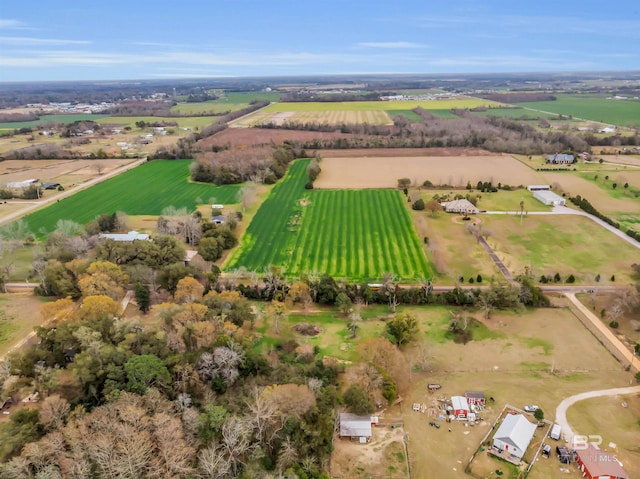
(628, 357)
(34, 205)
(561, 410)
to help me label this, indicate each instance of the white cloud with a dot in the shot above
(10, 23)
(396, 45)
(32, 41)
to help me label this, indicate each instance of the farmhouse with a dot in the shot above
(460, 407)
(560, 159)
(597, 464)
(355, 427)
(514, 435)
(475, 398)
(549, 198)
(460, 206)
(125, 237)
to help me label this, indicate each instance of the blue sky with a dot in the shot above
(140, 39)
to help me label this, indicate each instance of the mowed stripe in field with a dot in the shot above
(145, 190)
(355, 234)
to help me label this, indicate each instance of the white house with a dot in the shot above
(514, 435)
(125, 237)
(560, 159)
(460, 206)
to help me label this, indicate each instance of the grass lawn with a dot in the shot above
(19, 314)
(564, 244)
(412, 116)
(145, 190)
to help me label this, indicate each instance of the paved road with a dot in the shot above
(561, 410)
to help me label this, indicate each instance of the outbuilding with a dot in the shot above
(460, 407)
(597, 464)
(125, 237)
(355, 427)
(556, 430)
(514, 435)
(475, 398)
(549, 198)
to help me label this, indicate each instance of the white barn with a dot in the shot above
(549, 198)
(514, 435)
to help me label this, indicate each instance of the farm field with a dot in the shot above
(591, 107)
(347, 234)
(166, 183)
(334, 117)
(45, 119)
(183, 122)
(62, 171)
(515, 113)
(560, 244)
(381, 172)
(461, 102)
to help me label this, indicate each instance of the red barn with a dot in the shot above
(475, 398)
(597, 464)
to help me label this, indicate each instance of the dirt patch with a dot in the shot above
(383, 456)
(383, 171)
(305, 202)
(307, 329)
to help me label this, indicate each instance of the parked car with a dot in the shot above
(546, 450)
(531, 408)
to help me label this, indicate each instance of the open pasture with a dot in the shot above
(145, 190)
(523, 359)
(564, 244)
(384, 172)
(591, 107)
(347, 234)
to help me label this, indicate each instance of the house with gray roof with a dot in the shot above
(356, 427)
(514, 435)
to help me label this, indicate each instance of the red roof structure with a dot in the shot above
(598, 464)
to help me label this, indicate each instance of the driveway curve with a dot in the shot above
(561, 410)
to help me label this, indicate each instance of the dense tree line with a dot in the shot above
(260, 164)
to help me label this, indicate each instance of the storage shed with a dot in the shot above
(460, 407)
(597, 464)
(355, 427)
(549, 198)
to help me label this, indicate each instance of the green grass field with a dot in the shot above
(515, 113)
(411, 116)
(44, 119)
(592, 107)
(359, 235)
(380, 105)
(145, 190)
